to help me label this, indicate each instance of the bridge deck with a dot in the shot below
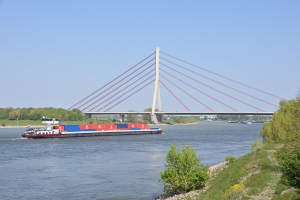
(183, 113)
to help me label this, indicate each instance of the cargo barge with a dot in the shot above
(88, 130)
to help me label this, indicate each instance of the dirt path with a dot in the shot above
(269, 190)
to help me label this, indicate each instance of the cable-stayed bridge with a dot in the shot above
(161, 71)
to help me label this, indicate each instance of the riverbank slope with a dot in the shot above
(257, 174)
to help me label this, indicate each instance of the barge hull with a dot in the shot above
(100, 133)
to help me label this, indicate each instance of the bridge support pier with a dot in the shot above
(158, 118)
(122, 117)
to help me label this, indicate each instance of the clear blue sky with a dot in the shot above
(55, 53)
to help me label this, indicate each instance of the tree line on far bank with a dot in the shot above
(173, 120)
(240, 117)
(37, 113)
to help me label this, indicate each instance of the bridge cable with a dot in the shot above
(198, 90)
(124, 92)
(130, 95)
(219, 82)
(174, 95)
(222, 76)
(186, 93)
(115, 84)
(123, 89)
(118, 87)
(212, 88)
(113, 80)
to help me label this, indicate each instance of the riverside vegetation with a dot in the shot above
(270, 171)
(23, 116)
(183, 172)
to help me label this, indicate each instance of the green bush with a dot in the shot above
(230, 159)
(258, 144)
(234, 192)
(285, 122)
(91, 121)
(3, 124)
(183, 172)
(289, 160)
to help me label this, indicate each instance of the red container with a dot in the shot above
(99, 126)
(132, 126)
(55, 127)
(142, 126)
(61, 128)
(111, 127)
(125, 128)
(100, 129)
(87, 126)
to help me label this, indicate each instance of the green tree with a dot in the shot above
(289, 160)
(131, 117)
(14, 114)
(65, 117)
(147, 117)
(24, 113)
(205, 117)
(177, 119)
(33, 115)
(37, 113)
(285, 122)
(183, 172)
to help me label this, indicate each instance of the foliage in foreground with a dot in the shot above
(285, 122)
(234, 192)
(258, 144)
(184, 172)
(289, 160)
(230, 159)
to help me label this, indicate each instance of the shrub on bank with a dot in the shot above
(258, 144)
(234, 192)
(183, 172)
(230, 159)
(285, 122)
(289, 160)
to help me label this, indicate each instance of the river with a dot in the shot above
(120, 167)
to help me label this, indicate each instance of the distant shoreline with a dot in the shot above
(172, 124)
(20, 127)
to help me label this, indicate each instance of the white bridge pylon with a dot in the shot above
(156, 94)
(156, 115)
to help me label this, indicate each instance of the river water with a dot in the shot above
(120, 167)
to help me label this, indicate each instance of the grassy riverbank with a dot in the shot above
(257, 174)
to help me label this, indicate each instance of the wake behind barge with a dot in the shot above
(88, 130)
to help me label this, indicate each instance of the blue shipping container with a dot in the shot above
(135, 128)
(72, 127)
(81, 130)
(122, 125)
